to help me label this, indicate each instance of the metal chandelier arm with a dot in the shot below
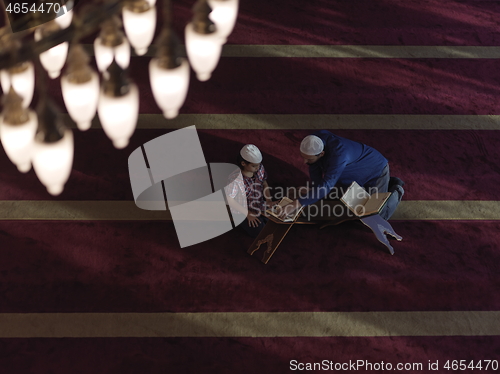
(87, 23)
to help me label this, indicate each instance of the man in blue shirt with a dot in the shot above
(337, 162)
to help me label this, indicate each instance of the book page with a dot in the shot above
(355, 197)
(375, 202)
(276, 209)
(284, 201)
(292, 217)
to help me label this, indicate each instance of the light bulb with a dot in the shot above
(53, 59)
(224, 14)
(140, 28)
(17, 141)
(203, 51)
(52, 162)
(22, 79)
(118, 115)
(64, 17)
(81, 100)
(104, 55)
(169, 86)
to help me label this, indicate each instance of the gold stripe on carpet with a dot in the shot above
(316, 122)
(346, 51)
(360, 51)
(127, 211)
(447, 210)
(280, 324)
(78, 210)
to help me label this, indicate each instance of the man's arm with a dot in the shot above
(318, 192)
(329, 180)
(315, 174)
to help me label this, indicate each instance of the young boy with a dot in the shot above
(253, 186)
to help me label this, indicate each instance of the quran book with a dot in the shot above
(276, 210)
(361, 203)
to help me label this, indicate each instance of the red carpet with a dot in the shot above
(138, 267)
(233, 355)
(387, 22)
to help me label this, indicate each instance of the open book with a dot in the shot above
(276, 210)
(361, 203)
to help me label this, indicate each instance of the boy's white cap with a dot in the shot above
(312, 145)
(251, 154)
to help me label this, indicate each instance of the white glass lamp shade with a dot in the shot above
(81, 100)
(17, 140)
(203, 51)
(140, 28)
(104, 55)
(118, 115)
(64, 17)
(52, 162)
(23, 83)
(224, 13)
(53, 59)
(169, 86)
(151, 2)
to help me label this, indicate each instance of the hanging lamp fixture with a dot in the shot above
(19, 74)
(224, 14)
(53, 39)
(111, 44)
(203, 44)
(139, 21)
(53, 148)
(80, 88)
(168, 72)
(65, 15)
(18, 125)
(53, 59)
(118, 106)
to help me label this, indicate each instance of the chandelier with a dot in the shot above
(36, 38)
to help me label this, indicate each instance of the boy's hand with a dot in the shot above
(253, 221)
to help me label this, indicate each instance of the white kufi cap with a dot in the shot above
(312, 145)
(251, 154)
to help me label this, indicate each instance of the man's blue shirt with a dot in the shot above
(344, 161)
